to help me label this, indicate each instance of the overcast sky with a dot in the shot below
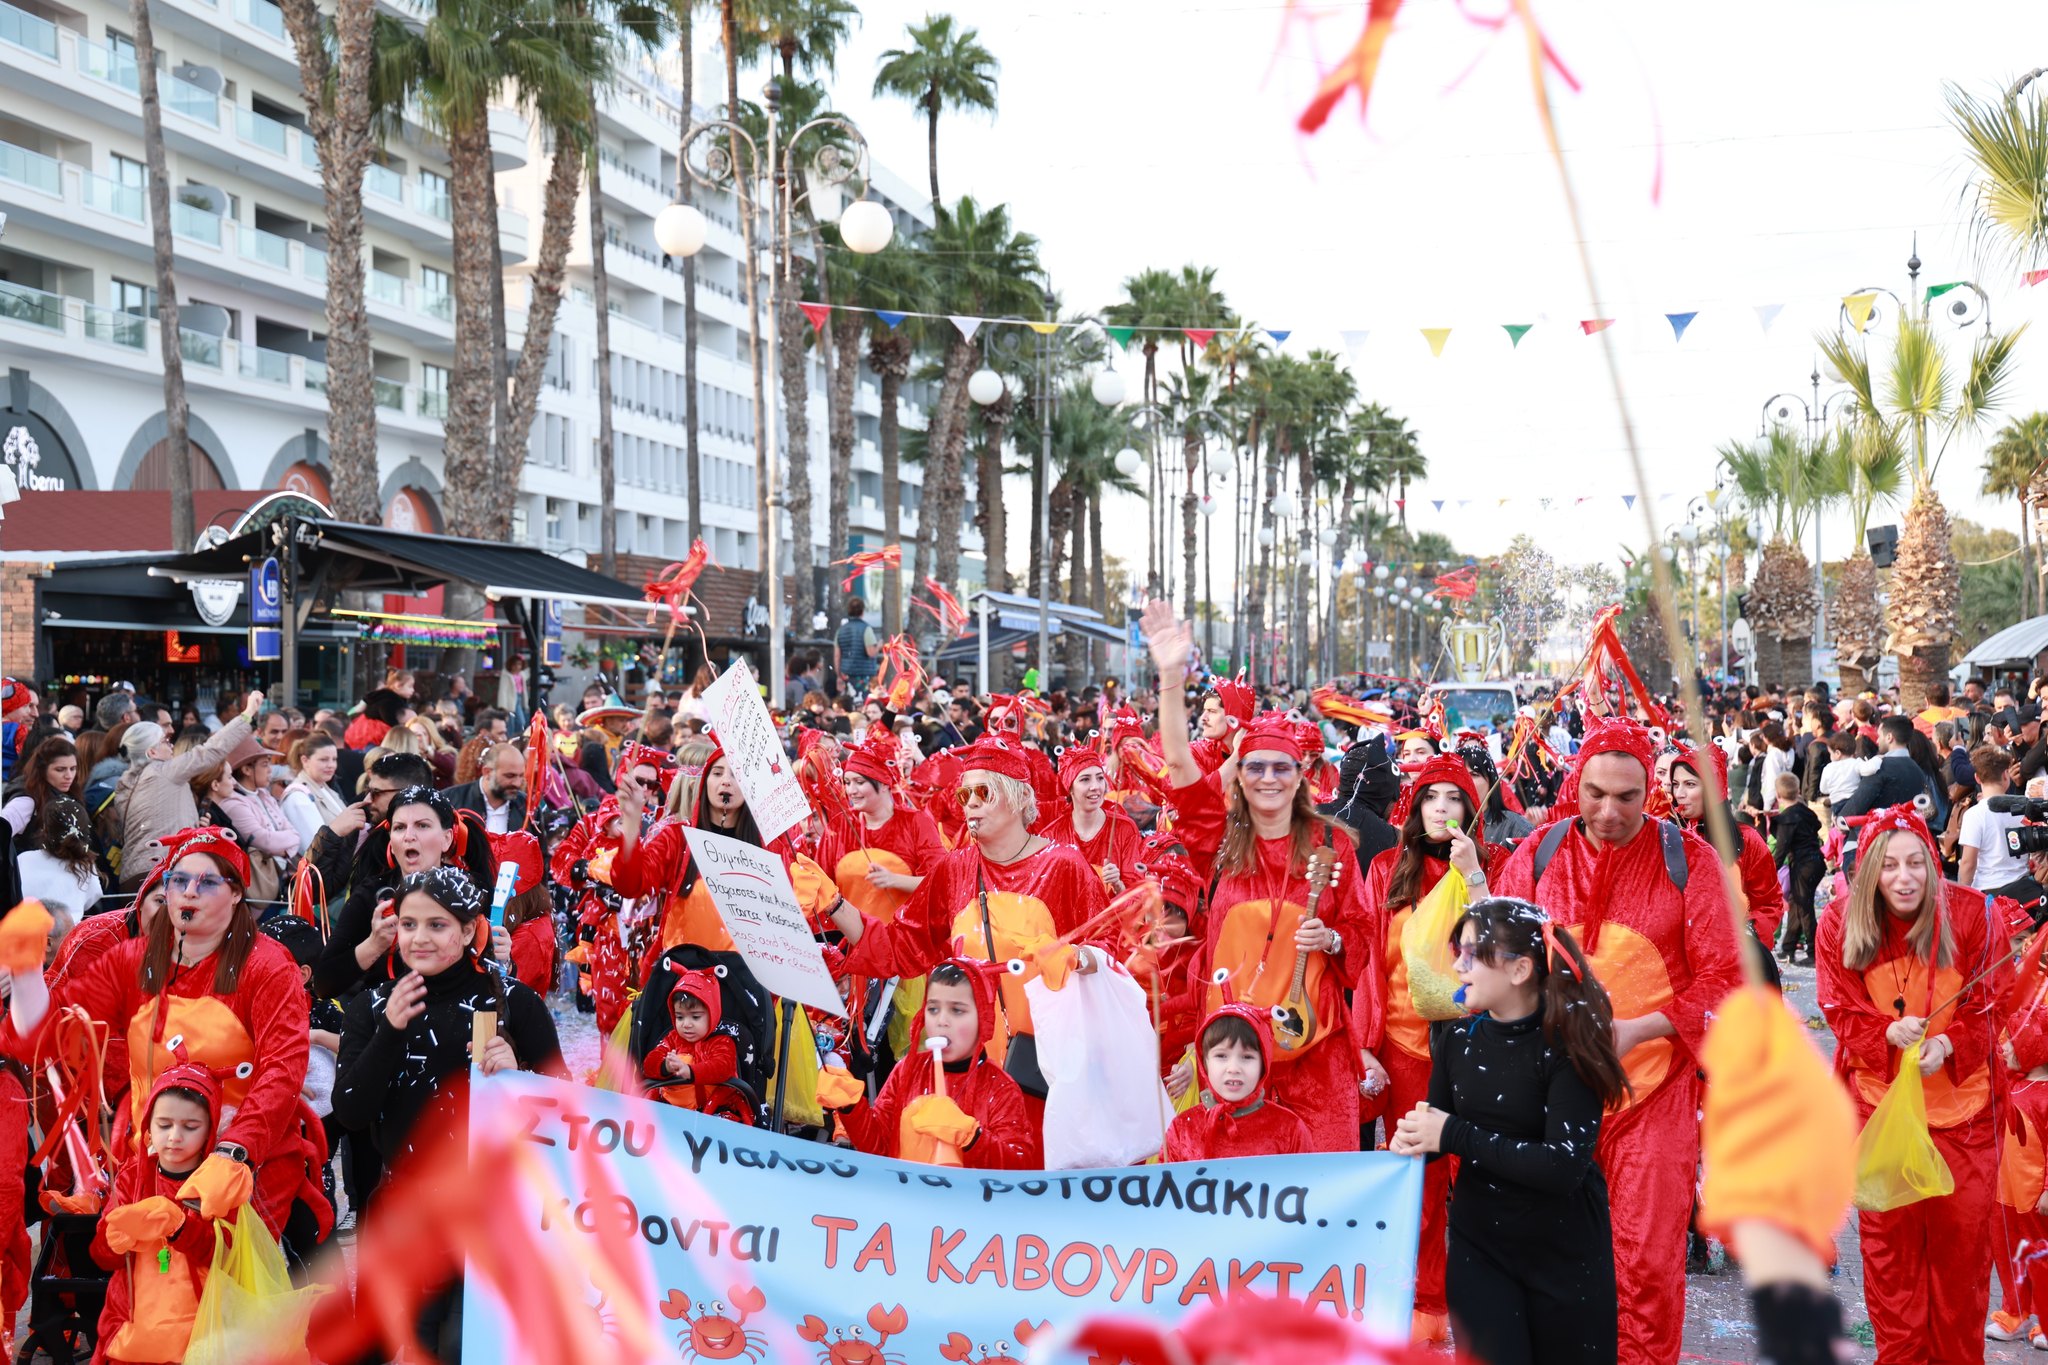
(1803, 146)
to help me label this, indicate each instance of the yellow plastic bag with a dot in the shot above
(249, 1309)
(619, 1045)
(1426, 947)
(1897, 1162)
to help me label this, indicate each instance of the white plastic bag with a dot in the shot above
(1104, 1103)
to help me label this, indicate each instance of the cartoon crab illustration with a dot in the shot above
(709, 1333)
(848, 1346)
(965, 1352)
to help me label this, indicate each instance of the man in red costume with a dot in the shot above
(1227, 709)
(1667, 955)
(1109, 839)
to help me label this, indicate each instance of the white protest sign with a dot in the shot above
(751, 889)
(738, 717)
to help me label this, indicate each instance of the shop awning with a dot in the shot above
(2015, 644)
(1013, 617)
(374, 559)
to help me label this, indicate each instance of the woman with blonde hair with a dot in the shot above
(1905, 962)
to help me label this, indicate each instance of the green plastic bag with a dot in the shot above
(1897, 1162)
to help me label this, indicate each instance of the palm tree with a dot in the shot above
(729, 38)
(893, 279)
(979, 267)
(170, 337)
(1085, 439)
(1870, 470)
(2014, 460)
(336, 89)
(1920, 392)
(684, 15)
(601, 301)
(2005, 142)
(799, 33)
(943, 68)
(1151, 305)
(1783, 478)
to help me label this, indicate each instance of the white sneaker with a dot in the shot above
(2040, 1342)
(2004, 1327)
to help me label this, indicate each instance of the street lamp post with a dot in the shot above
(865, 227)
(1054, 345)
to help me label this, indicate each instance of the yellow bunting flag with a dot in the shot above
(1044, 329)
(1859, 306)
(1436, 337)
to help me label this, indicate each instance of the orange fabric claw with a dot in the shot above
(25, 937)
(147, 1223)
(940, 1119)
(221, 1185)
(837, 1088)
(1779, 1140)
(86, 1202)
(1360, 67)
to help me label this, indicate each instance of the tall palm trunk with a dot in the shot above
(475, 502)
(544, 300)
(796, 412)
(170, 337)
(841, 343)
(1061, 525)
(991, 514)
(1075, 645)
(685, 189)
(1925, 597)
(943, 458)
(889, 357)
(607, 469)
(1098, 577)
(1190, 449)
(744, 189)
(337, 98)
(1264, 519)
(931, 106)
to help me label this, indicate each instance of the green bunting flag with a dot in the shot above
(1935, 291)
(1516, 331)
(1121, 335)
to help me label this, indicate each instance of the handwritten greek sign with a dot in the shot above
(752, 1247)
(751, 889)
(738, 717)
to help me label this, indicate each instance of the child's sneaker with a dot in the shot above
(2005, 1327)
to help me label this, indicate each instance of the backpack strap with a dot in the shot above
(1547, 847)
(1674, 852)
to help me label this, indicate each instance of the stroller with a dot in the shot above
(747, 1015)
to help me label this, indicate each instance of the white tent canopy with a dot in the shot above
(2014, 645)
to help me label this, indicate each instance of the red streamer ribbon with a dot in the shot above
(888, 557)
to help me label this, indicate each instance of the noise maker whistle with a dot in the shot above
(943, 1153)
(508, 877)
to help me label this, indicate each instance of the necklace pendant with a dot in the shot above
(1899, 1006)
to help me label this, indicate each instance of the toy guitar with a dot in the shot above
(1294, 1019)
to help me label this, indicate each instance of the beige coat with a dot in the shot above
(160, 799)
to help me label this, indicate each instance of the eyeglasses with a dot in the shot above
(1282, 770)
(972, 793)
(385, 792)
(1467, 956)
(205, 883)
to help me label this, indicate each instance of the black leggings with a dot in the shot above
(1548, 1308)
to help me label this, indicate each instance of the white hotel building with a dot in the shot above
(79, 367)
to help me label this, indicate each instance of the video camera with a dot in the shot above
(2030, 838)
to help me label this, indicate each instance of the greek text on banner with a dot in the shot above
(758, 1247)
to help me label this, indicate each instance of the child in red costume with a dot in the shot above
(1688, 806)
(607, 917)
(158, 1249)
(1236, 1118)
(230, 995)
(694, 1050)
(1667, 956)
(982, 1114)
(1165, 962)
(1892, 960)
(529, 912)
(1103, 834)
(1393, 1043)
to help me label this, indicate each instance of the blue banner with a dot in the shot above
(765, 1248)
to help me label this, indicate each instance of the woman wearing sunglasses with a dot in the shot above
(201, 985)
(1252, 825)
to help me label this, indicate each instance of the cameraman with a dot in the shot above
(1984, 861)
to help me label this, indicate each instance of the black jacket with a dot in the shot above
(1897, 781)
(384, 1079)
(470, 796)
(337, 972)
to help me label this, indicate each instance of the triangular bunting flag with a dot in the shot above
(2034, 277)
(1465, 502)
(1628, 500)
(1121, 335)
(1437, 503)
(968, 327)
(1503, 502)
(1679, 322)
(1401, 503)
(1279, 337)
(1516, 331)
(893, 319)
(1354, 340)
(1935, 291)
(1592, 325)
(1044, 329)
(1544, 503)
(817, 313)
(1858, 307)
(1436, 337)
(1199, 335)
(1767, 313)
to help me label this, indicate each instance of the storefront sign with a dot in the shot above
(22, 454)
(215, 599)
(266, 610)
(551, 633)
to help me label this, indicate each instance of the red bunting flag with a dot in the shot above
(1592, 325)
(2034, 277)
(817, 313)
(1199, 335)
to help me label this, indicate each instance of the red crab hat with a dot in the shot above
(875, 757)
(1239, 700)
(522, 848)
(1443, 768)
(703, 988)
(1262, 1029)
(981, 980)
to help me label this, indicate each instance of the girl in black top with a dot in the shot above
(1516, 1093)
(1795, 844)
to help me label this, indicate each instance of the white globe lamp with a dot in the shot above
(1401, 583)
(984, 386)
(1380, 572)
(1108, 388)
(1326, 537)
(1284, 505)
(1129, 462)
(680, 230)
(1265, 535)
(866, 227)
